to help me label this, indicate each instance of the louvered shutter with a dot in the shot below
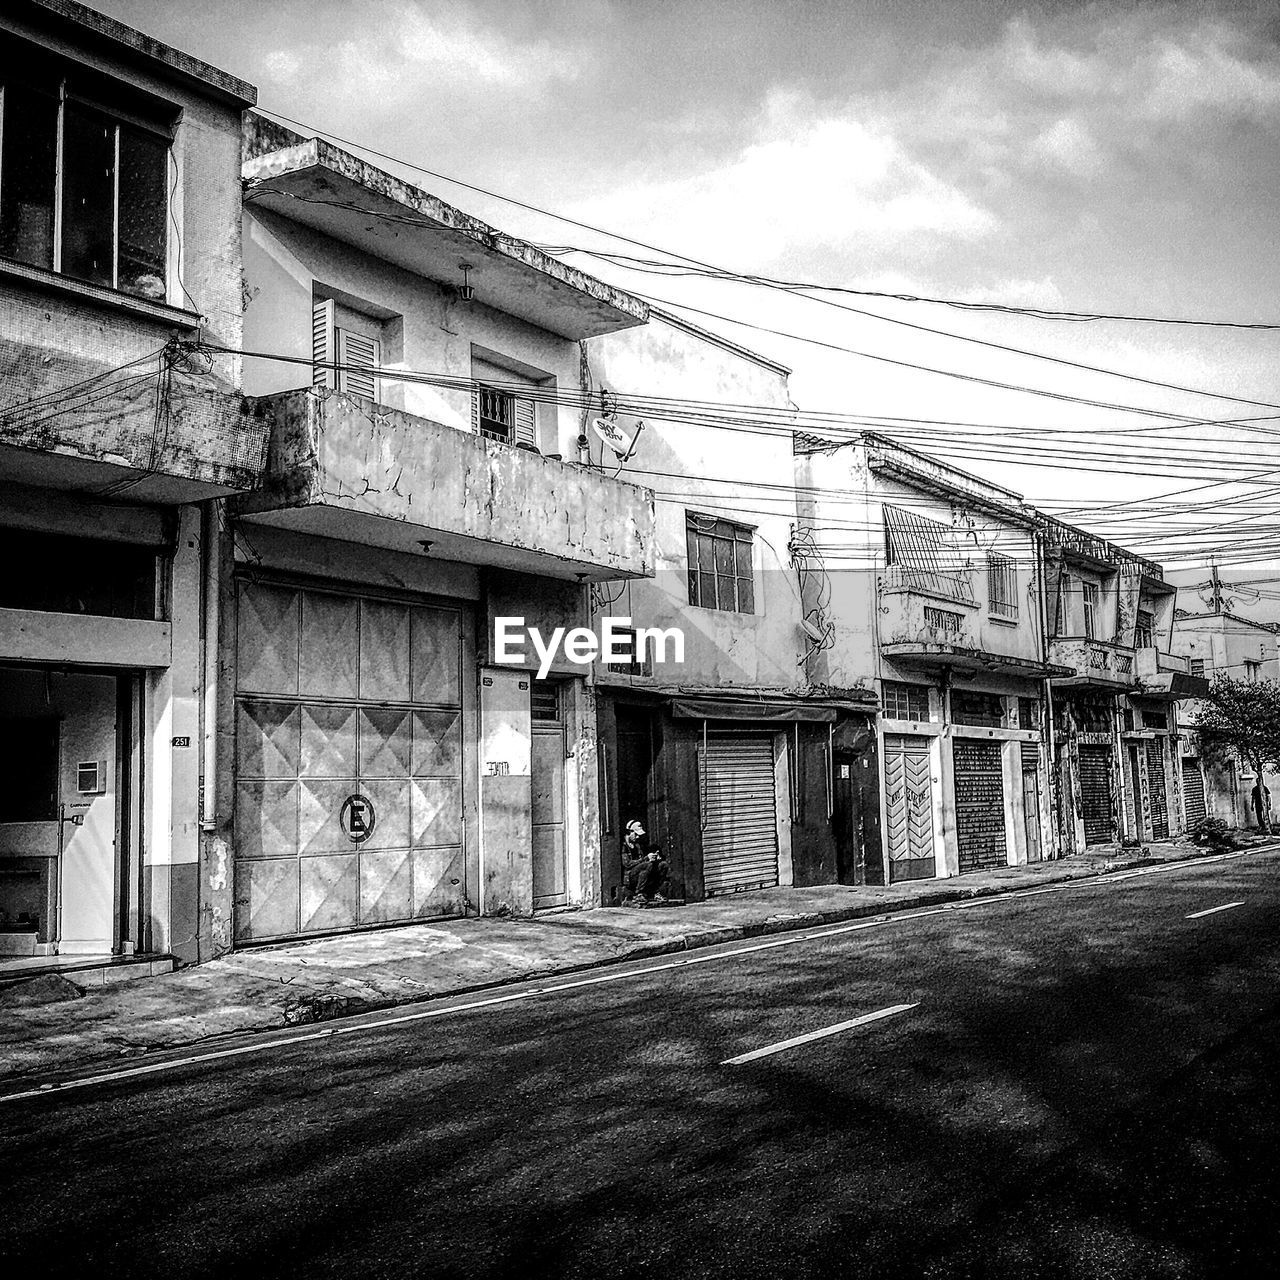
(322, 354)
(526, 422)
(358, 356)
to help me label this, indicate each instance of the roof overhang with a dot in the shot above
(910, 653)
(331, 191)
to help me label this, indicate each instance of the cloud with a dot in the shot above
(803, 180)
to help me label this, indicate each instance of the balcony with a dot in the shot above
(342, 467)
(923, 626)
(172, 436)
(1168, 675)
(1095, 664)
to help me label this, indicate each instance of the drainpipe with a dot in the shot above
(1050, 735)
(212, 613)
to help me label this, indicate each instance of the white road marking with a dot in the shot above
(817, 1035)
(620, 974)
(1226, 906)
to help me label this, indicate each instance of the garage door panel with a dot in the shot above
(437, 811)
(268, 739)
(438, 882)
(1193, 790)
(266, 898)
(386, 742)
(329, 662)
(267, 639)
(1095, 794)
(386, 885)
(328, 741)
(979, 790)
(266, 819)
(436, 656)
(384, 651)
(329, 888)
(320, 807)
(437, 744)
(740, 830)
(392, 805)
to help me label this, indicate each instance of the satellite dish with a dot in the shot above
(615, 437)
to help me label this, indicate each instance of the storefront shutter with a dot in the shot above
(739, 814)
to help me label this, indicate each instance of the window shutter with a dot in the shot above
(359, 357)
(526, 422)
(475, 409)
(322, 343)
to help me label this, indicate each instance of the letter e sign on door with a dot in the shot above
(357, 818)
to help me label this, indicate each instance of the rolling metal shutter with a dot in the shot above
(1095, 794)
(1156, 788)
(1193, 789)
(979, 787)
(739, 815)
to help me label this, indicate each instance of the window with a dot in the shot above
(1002, 585)
(1155, 719)
(924, 554)
(544, 702)
(904, 701)
(720, 574)
(641, 666)
(1028, 713)
(1197, 666)
(983, 709)
(1089, 596)
(1252, 671)
(498, 410)
(60, 573)
(344, 337)
(1144, 632)
(101, 213)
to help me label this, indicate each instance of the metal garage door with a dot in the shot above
(1157, 788)
(1193, 789)
(348, 762)
(1095, 794)
(739, 814)
(908, 806)
(979, 787)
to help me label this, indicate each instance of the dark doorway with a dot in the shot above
(635, 756)
(855, 816)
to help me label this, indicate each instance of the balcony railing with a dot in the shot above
(1094, 660)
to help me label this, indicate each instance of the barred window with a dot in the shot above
(1089, 593)
(1145, 630)
(1002, 585)
(1197, 666)
(924, 554)
(1028, 713)
(720, 575)
(902, 701)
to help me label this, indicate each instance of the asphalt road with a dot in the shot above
(1085, 1086)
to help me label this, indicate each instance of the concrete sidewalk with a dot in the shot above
(55, 1027)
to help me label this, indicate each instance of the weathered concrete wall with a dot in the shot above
(329, 449)
(717, 472)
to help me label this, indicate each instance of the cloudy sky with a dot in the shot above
(1110, 157)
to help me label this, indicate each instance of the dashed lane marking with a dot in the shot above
(835, 1030)
(1226, 906)
(622, 973)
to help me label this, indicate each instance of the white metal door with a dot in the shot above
(908, 803)
(739, 814)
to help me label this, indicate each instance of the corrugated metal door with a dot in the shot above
(1193, 789)
(1031, 799)
(908, 802)
(979, 785)
(1095, 794)
(348, 762)
(739, 814)
(1159, 793)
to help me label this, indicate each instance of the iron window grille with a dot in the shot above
(1197, 666)
(84, 187)
(720, 574)
(545, 702)
(633, 667)
(1145, 630)
(497, 413)
(1002, 585)
(924, 556)
(1028, 713)
(942, 620)
(902, 701)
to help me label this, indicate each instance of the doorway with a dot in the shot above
(61, 887)
(546, 768)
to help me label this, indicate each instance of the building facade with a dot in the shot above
(926, 583)
(1117, 761)
(728, 754)
(1219, 642)
(119, 259)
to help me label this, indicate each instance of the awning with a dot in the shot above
(775, 712)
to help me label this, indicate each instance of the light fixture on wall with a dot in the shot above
(426, 546)
(465, 290)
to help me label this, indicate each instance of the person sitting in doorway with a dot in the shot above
(644, 870)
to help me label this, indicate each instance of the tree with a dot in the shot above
(1242, 718)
